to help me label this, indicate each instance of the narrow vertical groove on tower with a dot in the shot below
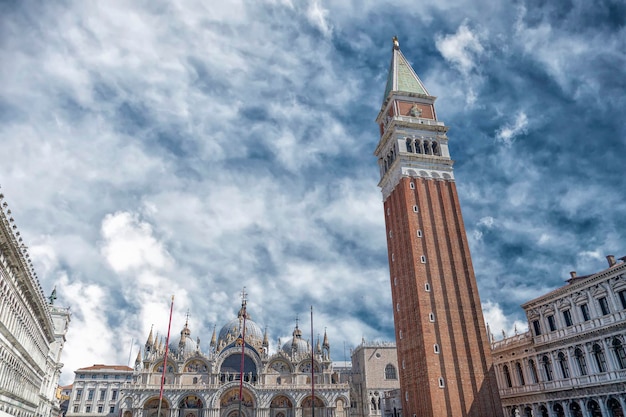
(445, 363)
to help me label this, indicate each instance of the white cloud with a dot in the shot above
(507, 134)
(318, 16)
(461, 49)
(498, 322)
(487, 222)
(130, 245)
(89, 330)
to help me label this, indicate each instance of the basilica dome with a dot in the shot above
(232, 330)
(186, 344)
(296, 344)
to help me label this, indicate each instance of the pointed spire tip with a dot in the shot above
(396, 43)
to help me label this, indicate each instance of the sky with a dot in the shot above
(191, 148)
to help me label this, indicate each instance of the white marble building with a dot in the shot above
(32, 331)
(572, 361)
(206, 383)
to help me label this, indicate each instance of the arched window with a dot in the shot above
(620, 353)
(507, 376)
(547, 367)
(575, 410)
(418, 147)
(615, 407)
(409, 146)
(390, 372)
(435, 147)
(581, 361)
(427, 149)
(594, 408)
(558, 410)
(520, 374)
(533, 371)
(563, 365)
(598, 354)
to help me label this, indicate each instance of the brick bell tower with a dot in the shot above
(443, 349)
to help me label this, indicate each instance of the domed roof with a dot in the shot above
(186, 343)
(296, 344)
(233, 329)
(300, 346)
(189, 346)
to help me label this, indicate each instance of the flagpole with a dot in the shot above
(130, 351)
(312, 369)
(243, 347)
(167, 344)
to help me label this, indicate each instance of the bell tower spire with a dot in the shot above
(441, 338)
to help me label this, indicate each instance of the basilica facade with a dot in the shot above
(296, 381)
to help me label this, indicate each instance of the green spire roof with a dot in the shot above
(401, 76)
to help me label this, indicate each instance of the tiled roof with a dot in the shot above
(401, 76)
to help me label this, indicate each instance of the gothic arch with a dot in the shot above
(390, 372)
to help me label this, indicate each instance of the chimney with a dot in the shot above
(572, 274)
(611, 260)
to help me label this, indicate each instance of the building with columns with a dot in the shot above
(295, 381)
(32, 330)
(572, 361)
(445, 366)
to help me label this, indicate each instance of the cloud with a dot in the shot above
(130, 245)
(460, 49)
(499, 324)
(160, 149)
(487, 222)
(318, 16)
(89, 324)
(507, 133)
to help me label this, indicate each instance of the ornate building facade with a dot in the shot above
(374, 372)
(445, 367)
(572, 361)
(206, 383)
(32, 331)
